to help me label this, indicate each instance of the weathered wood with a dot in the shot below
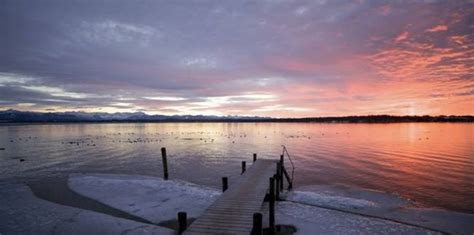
(182, 221)
(257, 227)
(225, 184)
(232, 212)
(277, 187)
(165, 163)
(271, 204)
(280, 172)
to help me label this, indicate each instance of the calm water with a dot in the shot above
(430, 163)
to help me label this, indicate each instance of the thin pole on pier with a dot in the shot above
(280, 173)
(243, 167)
(224, 184)
(182, 222)
(271, 219)
(257, 224)
(254, 157)
(165, 163)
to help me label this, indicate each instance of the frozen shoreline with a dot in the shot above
(23, 213)
(380, 205)
(321, 209)
(336, 201)
(153, 199)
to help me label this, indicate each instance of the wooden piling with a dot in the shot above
(280, 172)
(277, 187)
(271, 213)
(254, 157)
(243, 166)
(224, 184)
(165, 163)
(182, 222)
(257, 224)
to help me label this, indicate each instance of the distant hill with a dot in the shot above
(10, 116)
(15, 116)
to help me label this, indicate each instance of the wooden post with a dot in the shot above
(254, 157)
(280, 172)
(272, 206)
(224, 184)
(243, 167)
(257, 224)
(182, 222)
(277, 187)
(165, 163)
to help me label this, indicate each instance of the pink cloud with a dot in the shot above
(437, 28)
(402, 36)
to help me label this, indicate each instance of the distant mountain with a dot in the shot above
(15, 116)
(10, 116)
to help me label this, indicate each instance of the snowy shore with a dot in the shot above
(23, 213)
(316, 209)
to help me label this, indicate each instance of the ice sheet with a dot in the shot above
(314, 220)
(382, 205)
(23, 213)
(311, 209)
(151, 198)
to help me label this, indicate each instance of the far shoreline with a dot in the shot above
(229, 122)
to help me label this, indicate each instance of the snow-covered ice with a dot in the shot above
(23, 213)
(311, 209)
(151, 198)
(376, 204)
(321, 199)
(314, 220)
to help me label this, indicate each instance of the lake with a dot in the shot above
(431, 164)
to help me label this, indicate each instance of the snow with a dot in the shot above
(344, 197)
(151, 198)
(325, 200)
(311, 209)
(23, 213)
(314, 220)
(374, 204)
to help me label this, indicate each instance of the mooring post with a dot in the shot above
(224, 184)
(182, 221)
(277, 187)
(281, 172)
(254, 157)
(257, 224)
(165, 163)
(272, 206)
(243, 167)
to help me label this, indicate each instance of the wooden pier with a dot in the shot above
(232, 212)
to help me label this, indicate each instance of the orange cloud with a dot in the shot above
(402, 36)
(423, 61)
(437, 28)
(461, 40)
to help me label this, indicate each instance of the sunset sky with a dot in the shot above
(267, 58)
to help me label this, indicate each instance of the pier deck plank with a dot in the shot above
(232, 212)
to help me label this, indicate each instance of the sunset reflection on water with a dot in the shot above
(431, 163)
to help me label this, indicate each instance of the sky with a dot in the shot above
(273, 58)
